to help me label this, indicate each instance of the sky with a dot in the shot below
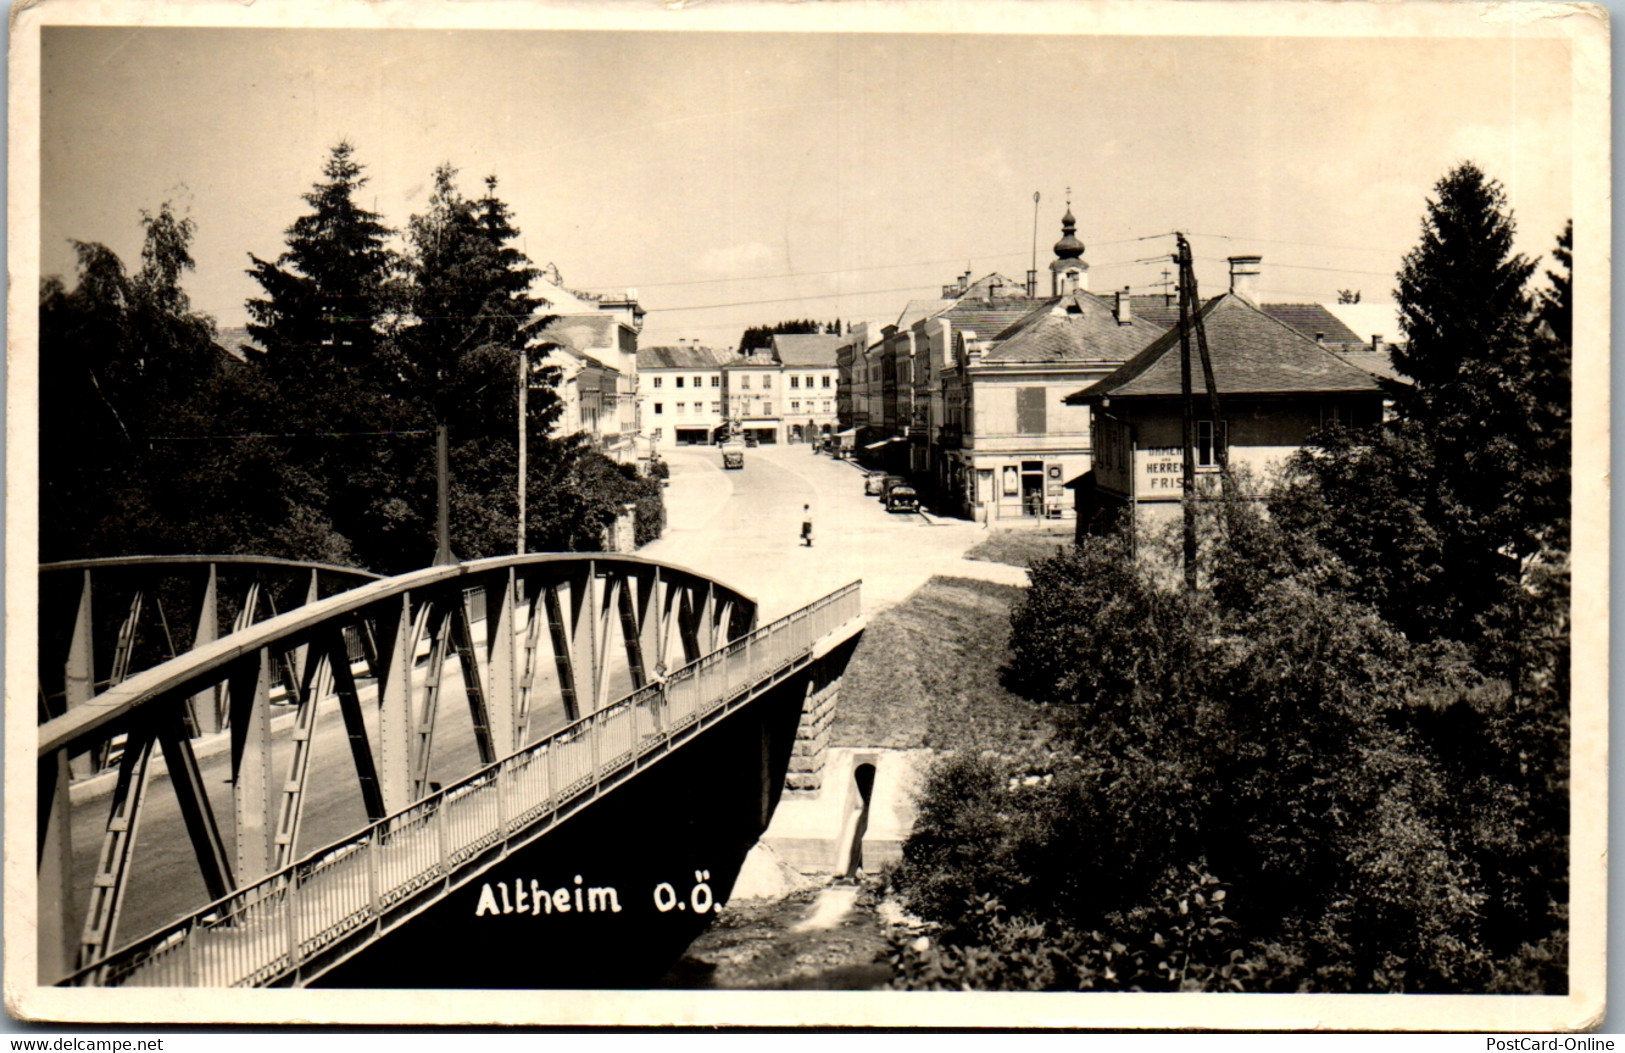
(740, 178)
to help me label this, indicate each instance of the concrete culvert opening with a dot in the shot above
(863, 777)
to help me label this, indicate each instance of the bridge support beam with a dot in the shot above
(501, 703)
(54, 945)
(206, 716)
(251, 765)
(80, 683)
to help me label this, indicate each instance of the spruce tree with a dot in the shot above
(325, 297)
(1466, 314)
(330, 384)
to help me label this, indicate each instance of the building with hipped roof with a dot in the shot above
(810, 372)
(1276, 386)
(680, 393)
(1010, 440)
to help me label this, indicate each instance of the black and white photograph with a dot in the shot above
(964, 514)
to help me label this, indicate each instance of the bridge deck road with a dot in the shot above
(164, 881)
(743, 527)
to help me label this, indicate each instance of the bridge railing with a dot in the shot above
(267, 929)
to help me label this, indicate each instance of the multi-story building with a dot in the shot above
(604, 327)
(809, 383)
(588, 392)
(753, 396)
(680, 393)
(1019, 441)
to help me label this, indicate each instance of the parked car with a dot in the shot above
(902, 499)
(888, 483)
(750, 440)
(871, 483)
(733, 455)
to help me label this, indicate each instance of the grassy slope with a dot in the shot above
(927, 675)
(1020, 548)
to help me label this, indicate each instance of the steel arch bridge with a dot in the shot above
(632, 659)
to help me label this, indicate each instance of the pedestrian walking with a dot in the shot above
(806, 525)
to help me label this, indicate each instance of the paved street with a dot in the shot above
(743, 527)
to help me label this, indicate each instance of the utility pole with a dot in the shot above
(1190, 318)
(1188, 475)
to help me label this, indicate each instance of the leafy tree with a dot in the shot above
(125, 365)
(1348, 296)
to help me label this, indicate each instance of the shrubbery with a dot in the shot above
(1385, 817)
(1359, 723)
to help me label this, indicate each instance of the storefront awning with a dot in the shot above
(883, 442)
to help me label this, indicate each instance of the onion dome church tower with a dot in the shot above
(1068, 272)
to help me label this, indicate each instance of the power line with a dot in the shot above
(847, 270)
(290, 435)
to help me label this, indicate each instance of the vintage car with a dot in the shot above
(733, 455)
(888, 483)
(902, 498)
(871, 483)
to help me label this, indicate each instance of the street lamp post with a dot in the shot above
(524, 402)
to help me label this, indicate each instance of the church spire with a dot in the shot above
(1069, 247)
(1068, 271)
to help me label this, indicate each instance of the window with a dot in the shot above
(744, 382)
(659, 409)
(767, 409)
(1030, 411)
(826, 405)
(1207, 453)
(681, 405)
(767, 382)
(716, 407)
(697, 381)
(679, 381)
(795, 407)
(657, 384)
(793, 383)
(826, 382)
(716, 380)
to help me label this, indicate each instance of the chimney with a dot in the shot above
(1125, 307)
(1032, 285)
(1376, 342)
(1244, 277)
(993, 288)
(964, 283)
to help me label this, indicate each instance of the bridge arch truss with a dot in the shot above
(565, 632)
